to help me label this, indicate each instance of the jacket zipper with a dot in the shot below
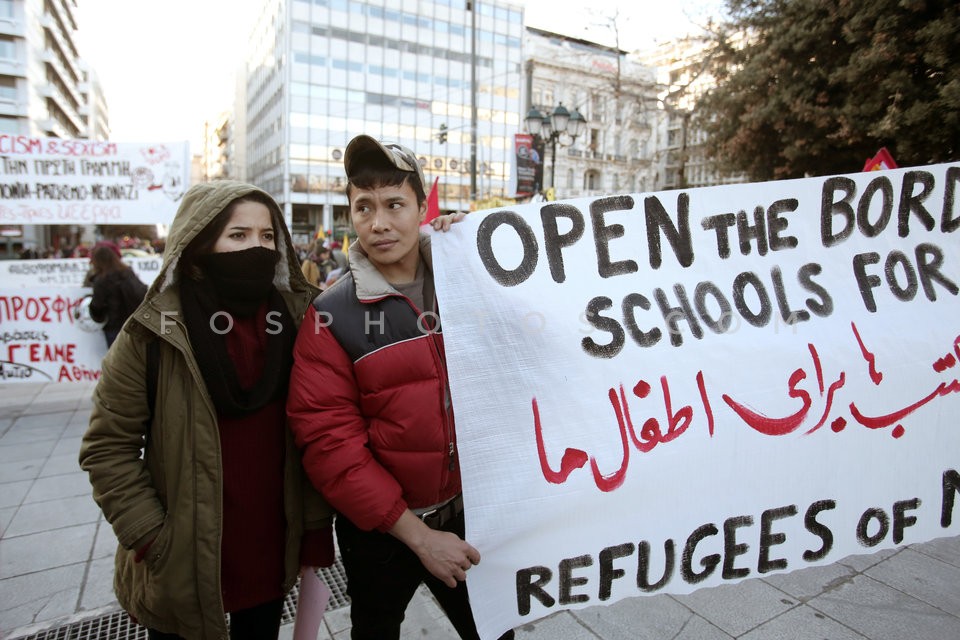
(446, 400)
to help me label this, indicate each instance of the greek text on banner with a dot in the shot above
(56, 181)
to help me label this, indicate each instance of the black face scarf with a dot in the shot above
(242, 279)
(239, 283)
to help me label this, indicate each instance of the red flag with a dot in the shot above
(883, 160)
(433, 202)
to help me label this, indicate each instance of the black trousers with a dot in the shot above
(382, 576)
(256, 623)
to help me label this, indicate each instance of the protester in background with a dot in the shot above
(317, 265)
(117, 291)
(212, 518)
(369, 404)
(336, 252)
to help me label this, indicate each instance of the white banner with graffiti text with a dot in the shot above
(41, 340)
(57, 181)
(660, 392)
(67, 272)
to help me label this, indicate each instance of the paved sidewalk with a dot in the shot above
(56, 558)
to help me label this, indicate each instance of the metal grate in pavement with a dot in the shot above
(118, 626)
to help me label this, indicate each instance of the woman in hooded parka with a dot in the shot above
(190, 458)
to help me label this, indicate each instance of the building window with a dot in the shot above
(8, 48)
(8, 88)
(591, 180)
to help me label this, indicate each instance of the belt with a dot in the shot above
(436, 517)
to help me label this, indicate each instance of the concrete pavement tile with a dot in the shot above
(943, 549)
(737, 608)
(46, 550)
(862, 562)
(13, 493)
(647, 618)
(59, 406)
(27, 451)
(68, 446)
(54, 514)
(24, 434)
(882, 613)
(559, 626)
(76, 429)
(62, 486)
(802, 623)
(337, 621)
(923, 577)
(425, 619)
(80, 417)
(6, 516)
(804, 584)
(58, 465)
(98, 587)
(106, 543)
(12, 408)
(286, 633)
(39, 596)
(43, 419)
(21, 470)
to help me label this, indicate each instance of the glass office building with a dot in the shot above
(323, 71)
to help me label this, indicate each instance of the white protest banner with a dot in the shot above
(41, 341)
(661, 392)
(57, 181)
(69, 272)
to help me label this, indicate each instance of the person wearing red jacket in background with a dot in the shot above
(369, 405)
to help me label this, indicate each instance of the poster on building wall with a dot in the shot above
(88, 182)
(660, 392)
(528, 166)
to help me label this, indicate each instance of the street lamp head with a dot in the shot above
(560, 118)
(576, 125)
(534, 121)
(546, 128)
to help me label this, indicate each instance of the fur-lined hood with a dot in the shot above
(200, 205)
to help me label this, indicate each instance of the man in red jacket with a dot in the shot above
(369, 405)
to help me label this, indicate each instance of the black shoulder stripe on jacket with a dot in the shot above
(362, 328)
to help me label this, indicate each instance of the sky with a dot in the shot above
(166, 67)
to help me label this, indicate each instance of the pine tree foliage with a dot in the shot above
(818, 86)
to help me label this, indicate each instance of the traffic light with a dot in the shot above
(442, 136)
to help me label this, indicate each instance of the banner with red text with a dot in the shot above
(58, 181)
(41, 340)
(660, 392)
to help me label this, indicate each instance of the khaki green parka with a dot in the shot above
(174, 490)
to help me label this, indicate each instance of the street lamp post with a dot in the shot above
(561, 126)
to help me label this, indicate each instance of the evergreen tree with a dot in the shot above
(818, 86)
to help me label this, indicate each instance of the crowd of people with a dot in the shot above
(232, 432)
(134, 246)
(323, 263)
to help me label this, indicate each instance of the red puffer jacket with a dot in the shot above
(369, 403)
